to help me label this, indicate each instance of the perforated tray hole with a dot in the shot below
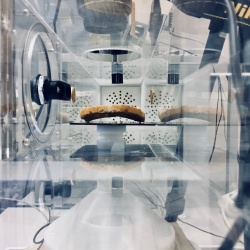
(133, 135)
(88, 138)
(106, 71)
(120, 98)
(84, 99)
(76, 137)
(131, 70)
(151, 111)
(75, 70)
(165, 97)
(164, 136)
(158, 69)
(129, 138)
(117, 120)
(120, 95)
(83, 135)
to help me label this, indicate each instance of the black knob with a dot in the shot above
(56, 90)
(44, 90)
(117, 73)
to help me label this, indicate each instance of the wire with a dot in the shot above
(219, 99)
(28, 204)
(223, 91)
(216, 235)
(36, 234)
(172, 46)
(150, 200)
(227, 224)
(56, 15)
(187, 38)
(44, 215)
(224, 118)
(216, 129)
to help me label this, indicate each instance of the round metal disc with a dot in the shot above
(112, 54)
(38, 57)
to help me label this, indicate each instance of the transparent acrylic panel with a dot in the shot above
(117, 184)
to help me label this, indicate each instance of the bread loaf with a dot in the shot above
(121, 110)
(196, 112)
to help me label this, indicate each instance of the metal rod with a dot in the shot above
(7, 84)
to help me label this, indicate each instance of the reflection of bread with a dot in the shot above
(116, 160)
(122, 110)
(122, 7)
(62, 117)
(117, 167)
(197, 112)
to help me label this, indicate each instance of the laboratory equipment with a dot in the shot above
(113, 182)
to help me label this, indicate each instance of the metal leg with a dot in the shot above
(247, 237)
(175, 202)
(233, 235)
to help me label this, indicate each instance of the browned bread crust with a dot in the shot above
(197, 112)
(122, 110)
